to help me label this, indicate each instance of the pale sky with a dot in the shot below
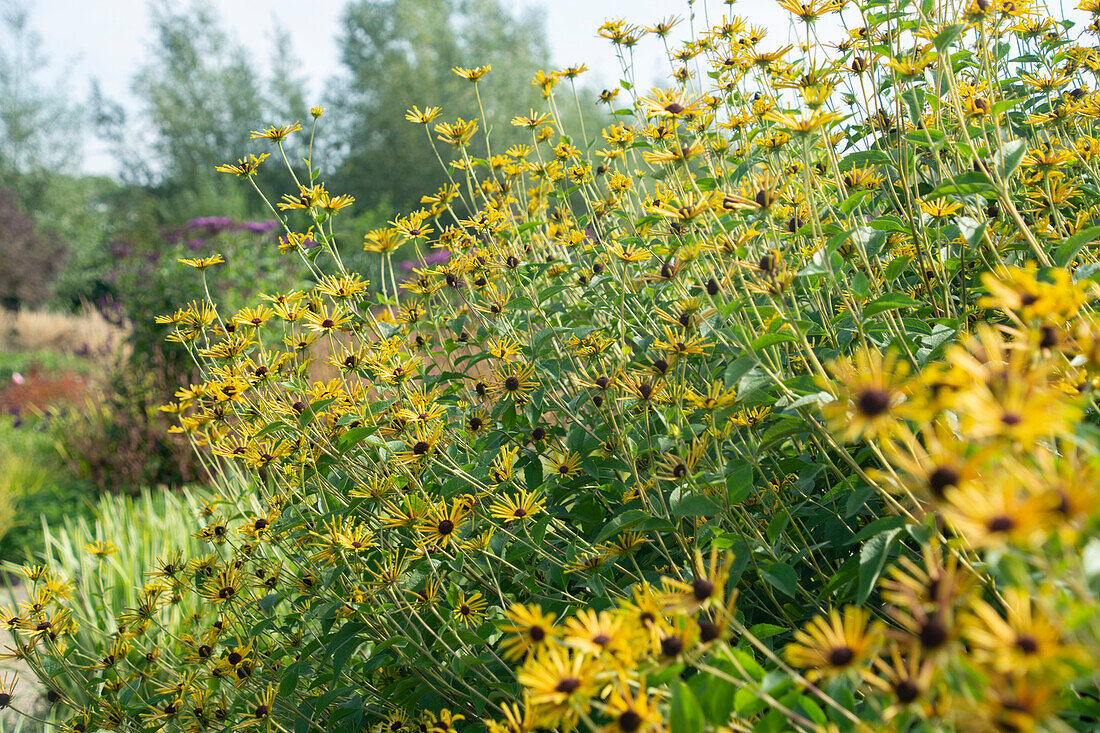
(107, 39)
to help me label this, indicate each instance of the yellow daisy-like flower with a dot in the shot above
(275, 134)
(244, 167)
(833, 645)
(516, 507)
(870, 392)
(202, 262)
(530, 630)
(473, 74)
(469, 610)
(561, 683)
(423, 117)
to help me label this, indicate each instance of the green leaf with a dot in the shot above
(864, 158)
(962, 185)
(889, 224)
(896, 266)
(737, 369)
(948, 36)
(738, 484)
(1068, 249)
(686, 716)
(697, 505)
(766, 631)
(849, 204)
(716, 697)
(621, 523)
(1008, 158)
(770, 339)
(782, 577)
(872, 560)
(889, 301)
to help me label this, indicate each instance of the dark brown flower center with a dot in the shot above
(671, 646)
(906, 691)
(511, 384)
(709, 631)
(933, 633)
(446, 527)
(702, 589)
(1027, 643)
(568, 685)
(841, 656)
(873, 402)
(943, 478)
(630, 721)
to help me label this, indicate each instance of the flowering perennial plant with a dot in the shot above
(769, 406)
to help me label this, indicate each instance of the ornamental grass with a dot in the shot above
(769, 406)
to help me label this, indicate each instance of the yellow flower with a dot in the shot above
(275, 134)
(830, 646)
(940, 208)
(101, 549)
(244, 167)
(472, 74)
(530, 630)
(516, 507)
(423, 117)
(458, 133)
(469, 610)
(869, 390)
(203, 262)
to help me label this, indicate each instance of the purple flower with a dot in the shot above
(437, 257)
(196, 243)
(259, 227)
(213, 223)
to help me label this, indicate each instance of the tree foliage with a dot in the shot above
(399, 53)
(39, 126)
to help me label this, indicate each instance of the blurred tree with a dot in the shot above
(201, 97)
(40, 129)
(31, 256)
(399, 53)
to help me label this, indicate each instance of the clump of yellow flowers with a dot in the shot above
(770, 406)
